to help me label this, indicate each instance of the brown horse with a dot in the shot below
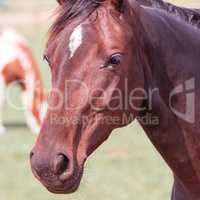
(113, 61)
(190, 15)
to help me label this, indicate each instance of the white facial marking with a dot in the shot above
(75, 40)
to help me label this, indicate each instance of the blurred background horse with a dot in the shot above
(18, 66)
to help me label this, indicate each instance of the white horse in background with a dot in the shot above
(18, 66)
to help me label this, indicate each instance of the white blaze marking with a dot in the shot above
(75, 40)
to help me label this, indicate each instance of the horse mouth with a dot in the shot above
(63, 187)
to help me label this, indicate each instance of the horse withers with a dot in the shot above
(113, 60)
(18, 67)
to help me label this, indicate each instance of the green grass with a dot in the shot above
(126, 167)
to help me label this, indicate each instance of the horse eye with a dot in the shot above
(113, 61)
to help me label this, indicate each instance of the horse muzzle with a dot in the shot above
(60, 174)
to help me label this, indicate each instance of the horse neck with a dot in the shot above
(160, 72)
(165, 50)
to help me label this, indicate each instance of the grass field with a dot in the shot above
(125, 168)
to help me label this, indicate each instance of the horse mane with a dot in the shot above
(74, 8)
(191, 16)
(70, 9)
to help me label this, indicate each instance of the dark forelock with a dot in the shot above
(71, 9)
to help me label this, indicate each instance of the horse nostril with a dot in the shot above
(61, 163)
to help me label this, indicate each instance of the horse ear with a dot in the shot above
(60, 1)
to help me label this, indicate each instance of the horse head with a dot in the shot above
(94, 52)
